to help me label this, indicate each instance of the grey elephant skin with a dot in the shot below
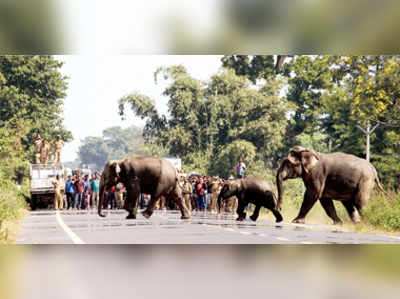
(326, 177)
(250, 190)
(149, 175)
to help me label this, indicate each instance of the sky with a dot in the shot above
(96, 83)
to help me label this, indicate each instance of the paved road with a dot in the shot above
(67, 227)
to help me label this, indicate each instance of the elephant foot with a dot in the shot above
(278, 216)
(131, 216)
(356, 218)
(254, 217)
(299, 221)
(147, 214)
(337, 222)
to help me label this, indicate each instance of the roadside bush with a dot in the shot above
(11, 203)
(383, 213)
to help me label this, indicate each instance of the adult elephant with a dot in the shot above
(149, 175)
(326, 177)
(250, 190)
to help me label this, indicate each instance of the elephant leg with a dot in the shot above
(256, 213)
(269, 203)
(310, 197)
(133, 194)
(330, 210)
(240, 210)
(351, 210)
(150, 207)
(363, 194)
(176, 195)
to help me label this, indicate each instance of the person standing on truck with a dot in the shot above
(44, 152)
(38, 148)
(58, 199)
(69, 191)
(58, 143)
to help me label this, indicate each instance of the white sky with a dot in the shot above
(104, 27)
(98, 82)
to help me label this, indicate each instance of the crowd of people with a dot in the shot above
(81, 192)
(200, 193)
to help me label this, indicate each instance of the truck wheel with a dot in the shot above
(33, 202)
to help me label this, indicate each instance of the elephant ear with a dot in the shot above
(117, 168)
(293, 158)
(237, 186)
(309, 159)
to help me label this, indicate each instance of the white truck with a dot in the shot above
(42, 189)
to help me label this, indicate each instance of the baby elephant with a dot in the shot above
(250, 190)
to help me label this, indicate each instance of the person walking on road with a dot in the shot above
(86, 192)
(95, 190)
(119, 196)
(69, 191)
(58, 198)
(111, 198)
(201, 197)
(241, 169)
(79, 187)
(187, 191)
(215, 183)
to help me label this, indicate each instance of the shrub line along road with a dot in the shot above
(166, 227)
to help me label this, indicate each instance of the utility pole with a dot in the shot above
(368, 131)
(330, 145)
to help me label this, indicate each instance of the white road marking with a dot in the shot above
(68, 231)
(306, 242)
(245, 233)
(282, 239)
(230, 230)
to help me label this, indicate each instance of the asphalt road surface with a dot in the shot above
(166, 227)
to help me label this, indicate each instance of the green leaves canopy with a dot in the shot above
(206, 116)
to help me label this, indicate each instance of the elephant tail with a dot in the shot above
(380, 188)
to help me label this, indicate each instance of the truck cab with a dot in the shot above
(42, 189)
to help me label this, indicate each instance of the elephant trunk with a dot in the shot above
(280, 177)
(101, 199)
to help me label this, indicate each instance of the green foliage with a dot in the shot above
(32, 88)
(116, 143)
(383, 213)
(330, 96)
(252, 67)
(205, 117)
(229, 155)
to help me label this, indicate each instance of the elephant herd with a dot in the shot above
(327, 177)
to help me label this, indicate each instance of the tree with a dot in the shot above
(32, 88)
(205, 116)
(115, 144)
(229, 155)
(253, 67)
